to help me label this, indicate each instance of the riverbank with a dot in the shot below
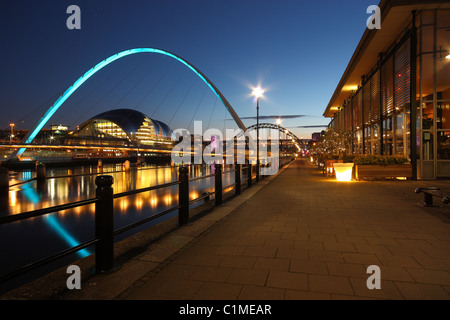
(77, 162)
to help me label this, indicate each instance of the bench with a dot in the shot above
(429, 192)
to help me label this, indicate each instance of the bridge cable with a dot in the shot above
(106, 94)
(137, 105)
(39, 108)
(131, 89)
(128, 92)
(225, 120)
(86, 96)
(182, 101)
(167, 95)
(197, 108)
(212, 112)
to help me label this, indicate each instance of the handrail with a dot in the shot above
(40, 212)
(141, 222)
(115, 171)
(88, 174)
(230, 185)
(103, 202)
(132, 192)
(103, 172)
(202, 177)
(205, 196)
(23, 182)
(47, 260)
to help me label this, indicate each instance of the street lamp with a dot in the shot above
(257, 92)
(12, 131)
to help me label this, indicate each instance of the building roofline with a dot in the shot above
(386, 7)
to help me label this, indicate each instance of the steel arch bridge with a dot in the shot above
(57, 104)
(275, 127)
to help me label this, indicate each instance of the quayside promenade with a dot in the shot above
(294, 236)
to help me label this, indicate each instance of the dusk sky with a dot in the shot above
(297, 50)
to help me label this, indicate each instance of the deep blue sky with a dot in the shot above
(296, 49)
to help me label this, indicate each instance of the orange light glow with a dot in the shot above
(343, 171)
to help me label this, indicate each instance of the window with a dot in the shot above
(443, 145)
(427, 151)
(399, 133)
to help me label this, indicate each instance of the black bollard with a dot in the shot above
(4, 178)
(183, 196)
(40, 171)
(258, 169)
(218, 184)
(4, 191)
(237, 178)
(104, 224)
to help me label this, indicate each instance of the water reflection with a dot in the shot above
(62, 232)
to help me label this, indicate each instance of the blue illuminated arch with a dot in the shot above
(33, 132)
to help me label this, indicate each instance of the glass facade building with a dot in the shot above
(127, 125)
(394, 96)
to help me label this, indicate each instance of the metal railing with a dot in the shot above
(104, 213)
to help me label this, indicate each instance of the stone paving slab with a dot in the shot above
(297, 236)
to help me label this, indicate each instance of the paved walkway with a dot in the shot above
(299, 235)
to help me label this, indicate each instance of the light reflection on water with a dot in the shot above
(26, 241)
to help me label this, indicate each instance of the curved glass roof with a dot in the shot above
(131, 120)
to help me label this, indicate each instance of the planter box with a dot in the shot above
(343, 171)
(383, 171)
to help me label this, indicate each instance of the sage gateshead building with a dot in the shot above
(394, 96)
(122, 127)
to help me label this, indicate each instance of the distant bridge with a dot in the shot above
(275, 127)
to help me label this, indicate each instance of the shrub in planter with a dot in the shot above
(380, 160)
(347, 158)
(377, 166)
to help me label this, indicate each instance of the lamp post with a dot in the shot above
(12, 132)
(279, 136)
(257, 92)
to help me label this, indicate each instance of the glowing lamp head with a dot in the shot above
(258, 92)
(278, 121)
(447, 57)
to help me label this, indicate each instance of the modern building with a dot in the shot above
(394, 96)
(124, 127)
(315, 136)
